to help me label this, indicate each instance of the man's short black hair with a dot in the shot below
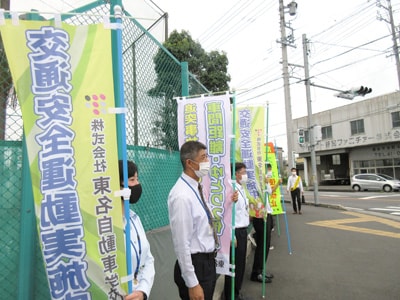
(239, 166)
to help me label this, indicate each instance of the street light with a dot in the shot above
(292, 8)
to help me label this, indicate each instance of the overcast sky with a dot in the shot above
(349, 46)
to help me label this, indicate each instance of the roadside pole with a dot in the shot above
(310, 125)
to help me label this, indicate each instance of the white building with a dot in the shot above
(357, 138)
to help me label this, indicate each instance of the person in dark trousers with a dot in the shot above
(191, 225)
(242, 221)
(295, 186)
(258, 225)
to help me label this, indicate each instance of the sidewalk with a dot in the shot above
(327, 262)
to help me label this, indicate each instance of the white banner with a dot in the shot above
(208, 120)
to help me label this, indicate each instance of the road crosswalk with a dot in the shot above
(392, 210)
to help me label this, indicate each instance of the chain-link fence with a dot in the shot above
(152, 80)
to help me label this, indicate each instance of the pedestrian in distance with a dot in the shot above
(295, 186)
(141, 257)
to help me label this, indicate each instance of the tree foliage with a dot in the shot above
(210, 69)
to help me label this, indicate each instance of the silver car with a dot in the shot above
(380, 182)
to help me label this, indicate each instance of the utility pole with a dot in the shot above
(285, 73)
(310, 125)
(5, 4)
(395, 47)
(393, 31)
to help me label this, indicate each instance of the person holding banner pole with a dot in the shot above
(193, 234)
(242, 221)
(142, 259)
(262, 230)
(192, 226)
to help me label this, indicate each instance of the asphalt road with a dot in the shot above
(329, 253)
(373, 202)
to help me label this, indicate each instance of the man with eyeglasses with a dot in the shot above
(191, 223)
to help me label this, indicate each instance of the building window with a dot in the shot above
(336, 159)
(384, 162)
(357, 127)
(396, 119)
(363, 164)
(326, 132)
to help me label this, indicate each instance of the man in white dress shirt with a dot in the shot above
(295, 187)
(192, 227)
(242, 221)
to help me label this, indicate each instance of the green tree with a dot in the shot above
(5, 79)
(210, 69)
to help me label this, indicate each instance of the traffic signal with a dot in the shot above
(300, 136)
(354, 92)
(361, 90)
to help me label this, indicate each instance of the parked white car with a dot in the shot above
(379, 182)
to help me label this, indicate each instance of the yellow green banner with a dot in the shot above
(251, 150)
(64, 83)
(273, 178)
(250, 138)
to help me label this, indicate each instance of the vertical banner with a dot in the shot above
(63, 79)
(275, 198)
(208, 120)
(250, 137)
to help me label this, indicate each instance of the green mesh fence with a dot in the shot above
(10, 191)
(152, 81)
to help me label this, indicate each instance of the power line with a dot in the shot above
(352, 49)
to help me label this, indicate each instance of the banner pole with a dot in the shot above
(28, 229)
(116, 37)
(233, 156)
(284, 212)
(265, 206)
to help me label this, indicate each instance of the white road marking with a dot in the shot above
(353, 208)
(335, 196)
(393, 210)
(384, 209)
(374, 197)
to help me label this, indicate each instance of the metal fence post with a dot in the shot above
(28, 233)
(185, 78)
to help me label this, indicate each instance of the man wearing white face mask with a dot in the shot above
(242, 221)
(191, 223)
(295, 186)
